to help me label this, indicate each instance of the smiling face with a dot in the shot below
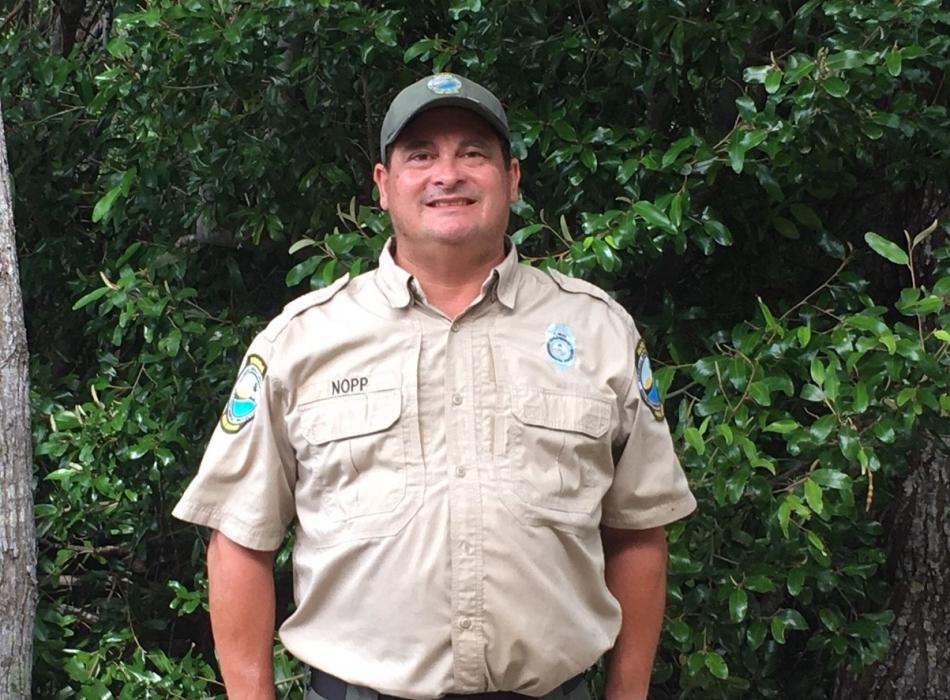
(448, 183)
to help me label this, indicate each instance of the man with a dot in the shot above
(461, 439)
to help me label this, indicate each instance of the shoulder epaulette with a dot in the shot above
(301, 304)
(573, 285)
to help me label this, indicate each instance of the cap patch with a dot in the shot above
(243, 402)
(648, 386)
(560, 345)
(444, 84)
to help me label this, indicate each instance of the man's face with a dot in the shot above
(447, 181)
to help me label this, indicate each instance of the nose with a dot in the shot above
(447, 173)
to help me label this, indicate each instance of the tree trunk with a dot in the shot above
(17, 542)
(917, 664)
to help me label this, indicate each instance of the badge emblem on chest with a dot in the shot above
(243, 402)
(560, 344)
(649, 390)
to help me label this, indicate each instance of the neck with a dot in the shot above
(452, 278)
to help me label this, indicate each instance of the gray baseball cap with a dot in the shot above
(441, 90)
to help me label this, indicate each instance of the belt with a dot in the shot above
(332, 688)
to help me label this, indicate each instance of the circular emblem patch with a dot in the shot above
(648, 387)
(243, 401)
(444, 84)
(560, 345)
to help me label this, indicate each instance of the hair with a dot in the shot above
(502, 141)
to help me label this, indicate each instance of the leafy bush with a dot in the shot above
(716, 164)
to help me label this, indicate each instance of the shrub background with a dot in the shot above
(182, 169)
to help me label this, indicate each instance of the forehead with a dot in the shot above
(447, 123)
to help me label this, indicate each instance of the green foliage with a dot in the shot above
(720, 166)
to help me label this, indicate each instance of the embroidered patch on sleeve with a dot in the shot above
(649, 390)
(242, 405)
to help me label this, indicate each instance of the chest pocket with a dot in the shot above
(358, 452)
(556, 461)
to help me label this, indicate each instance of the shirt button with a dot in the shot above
(456, 326)
(456, 399)
(460, 472)
(465, 623)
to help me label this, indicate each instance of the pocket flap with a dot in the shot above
(349, 416)
(561, 411)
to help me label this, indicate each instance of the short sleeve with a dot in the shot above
(245, 483)
(649, 488)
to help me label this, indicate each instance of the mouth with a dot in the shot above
(450, 202)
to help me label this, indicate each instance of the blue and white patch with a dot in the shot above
(242, 405)
(560, 344)
(649, 390)
(444, 84)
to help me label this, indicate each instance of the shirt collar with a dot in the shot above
(397, 284)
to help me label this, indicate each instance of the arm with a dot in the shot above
(242, 601)
(636, 576)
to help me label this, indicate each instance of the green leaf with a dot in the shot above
(804, 336)
(813, 496)
(104, 205)
(786, 425)
(810, 392)
(778, 630)
(886, 249)
(806, 216)
(760, 583)
(419, 48)
(626, 171)
(738, 605)
(461, 7)
(92, 296)
(736, 152)
(755, 74)
(773, 80)
(653, 216)
(835, 86)
(893, 62)
(717, 665)
(522, 234)
(795, 581)
(786, 227)
(680, 631)
(718, 232)
(859, 402)
(821, 428)
(695, 440)
(756, 634)
(565, 130)
(817, 371)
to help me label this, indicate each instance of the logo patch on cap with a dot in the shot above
(444, 84)
(647, 382)
(243, 402)
(560, 345)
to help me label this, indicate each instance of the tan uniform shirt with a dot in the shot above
(448, 478)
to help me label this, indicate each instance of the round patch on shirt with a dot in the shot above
(647, 382)
(242, 405)
(560, 345)
(444, 84)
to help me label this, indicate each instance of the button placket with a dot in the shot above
(465, 517)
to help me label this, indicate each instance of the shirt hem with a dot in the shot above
(655, 517)
(250, 536)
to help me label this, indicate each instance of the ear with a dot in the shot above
(381, 178)
(514, 179)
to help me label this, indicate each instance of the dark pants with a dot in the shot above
(576, 689)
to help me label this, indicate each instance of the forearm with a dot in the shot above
(636, 576)
(242, 601)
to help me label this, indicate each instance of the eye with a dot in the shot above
(474, 154)
(419, 156)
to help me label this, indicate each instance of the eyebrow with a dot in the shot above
(477, 141)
